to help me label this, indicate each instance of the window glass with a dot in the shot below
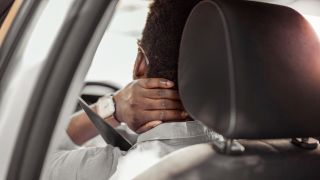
(119, 44)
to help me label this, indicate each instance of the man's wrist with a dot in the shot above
(105, 106)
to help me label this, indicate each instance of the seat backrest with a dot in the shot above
(263, 160)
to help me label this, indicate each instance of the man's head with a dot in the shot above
(161, 39)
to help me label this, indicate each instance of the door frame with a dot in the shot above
(69, 57)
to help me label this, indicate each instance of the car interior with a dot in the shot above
(259, 88)
(259, 64)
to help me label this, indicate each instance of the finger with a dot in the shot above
(164, 115)
(148, 126)
(161, 94)
(161, 104)
(152, 83)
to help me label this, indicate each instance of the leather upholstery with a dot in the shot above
(251, 70)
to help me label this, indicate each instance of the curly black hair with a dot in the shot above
(162, 35)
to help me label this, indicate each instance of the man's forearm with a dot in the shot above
(81, 129)
(142, 105)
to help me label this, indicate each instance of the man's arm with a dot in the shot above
(81, 129)
(142, 105)
(97, 163)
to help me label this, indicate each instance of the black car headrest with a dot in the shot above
(250, 70)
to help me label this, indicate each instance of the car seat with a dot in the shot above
(251, 72)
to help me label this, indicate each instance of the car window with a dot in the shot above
(114, 59)
(119, 44)
(112, 65)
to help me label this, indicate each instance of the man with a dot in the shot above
(157, 58)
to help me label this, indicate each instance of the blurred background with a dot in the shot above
(119, 44)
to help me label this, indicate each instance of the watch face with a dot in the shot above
(105, 106)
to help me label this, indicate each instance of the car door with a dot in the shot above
(43, 62)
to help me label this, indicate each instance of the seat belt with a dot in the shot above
(108, 133)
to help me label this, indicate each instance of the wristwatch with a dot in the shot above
(106, 106)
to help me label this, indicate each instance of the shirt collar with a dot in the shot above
(176, 130)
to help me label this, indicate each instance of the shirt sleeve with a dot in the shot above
(88, 163)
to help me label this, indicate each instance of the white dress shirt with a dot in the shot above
(101, 163)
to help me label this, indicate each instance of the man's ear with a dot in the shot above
(140, 67)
